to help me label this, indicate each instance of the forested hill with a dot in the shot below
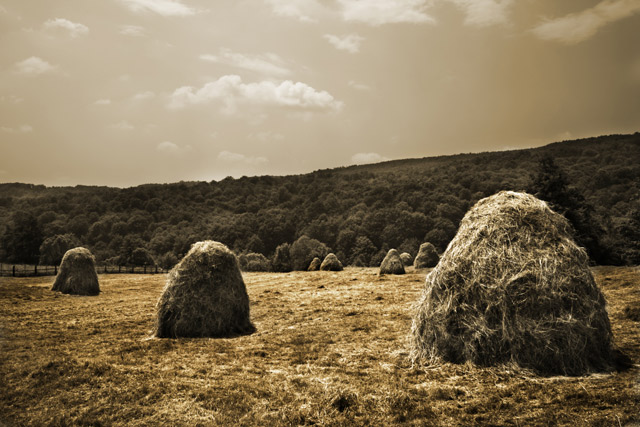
(358, 212)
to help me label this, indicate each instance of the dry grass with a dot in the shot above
(330, 348)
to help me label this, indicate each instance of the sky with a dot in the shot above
(127, 92)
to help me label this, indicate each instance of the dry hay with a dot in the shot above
(205, 296)
(315, 264)
(406, 258)
(77, 273)
(392, 264)
(427, 256)
(513, 288)
(331, 263)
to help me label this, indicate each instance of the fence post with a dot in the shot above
(55, 270)
(35, 270)
(156, 269)
(14, 271)
(119, 268)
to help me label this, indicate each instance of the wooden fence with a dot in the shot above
(22, 270)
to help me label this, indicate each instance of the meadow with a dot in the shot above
(330, 349)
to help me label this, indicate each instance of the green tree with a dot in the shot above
(53, 248)
(22, 239)
(304, 250)
(281, 262)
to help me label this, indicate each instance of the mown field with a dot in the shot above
(331, 349)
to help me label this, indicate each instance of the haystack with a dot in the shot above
(406, 258)
(427, 256)
(392, 264)
(205, 296)
(331, 263)
(513, 288)
(315, 264)
(77, 273)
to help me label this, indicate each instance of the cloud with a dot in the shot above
(269, 63)
(229, 157)
(578, 27)
(363, 158)
(231, 91)
(161, 7)
(34, 66)
(21, 129)
(358, 85)
(266, 136)
(123, 125)
(74, 29)
(484, 13)
(132, 30)
(349, 43)
(169, 147)
(103, 101)
(379, 12)
(144, 95)
(299, 9)
(13, 99)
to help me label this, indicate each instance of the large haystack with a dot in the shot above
(77, 273)
(427, 256)
(315, 264)
(205, 296)
(406, 258)
(331, 263)
(513, 287)
(392, 264)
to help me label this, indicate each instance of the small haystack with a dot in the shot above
(205, 296)
(392, 264)
(331, 263)
(427, 256)
(406, 258)
(514, 288)
(77, 273)
(315, 264)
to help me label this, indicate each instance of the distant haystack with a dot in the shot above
(77, 274)
(315, 264)
(513, 287)
(406, 258)
(331, 263)
(205, 296)
(427, 256)
(392, 264)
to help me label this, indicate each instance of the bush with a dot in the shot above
(281, 262)
(254, 262)
(304, 250)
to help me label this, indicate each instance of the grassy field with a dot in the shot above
(331, 349)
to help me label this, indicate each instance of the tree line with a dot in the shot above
(357, 212)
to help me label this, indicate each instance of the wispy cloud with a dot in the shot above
(298, 9)
(132, 30)
(103, 101)
(74, 29)
(484, 13)
(34, 66)
(144, 95)
(21, 129)
(161, 7)
(231, 91)
(269, 63)
(13, 99)
(359, 86)
(266, 136)
(349, 43)
(364, 158)
(578, 27)
(230, 157)
(379, 12)
(169, 147)
(123, 125)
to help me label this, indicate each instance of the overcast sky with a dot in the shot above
(125, 92)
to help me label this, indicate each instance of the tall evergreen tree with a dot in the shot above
(22, 239)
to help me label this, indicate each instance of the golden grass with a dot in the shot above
(330, 348)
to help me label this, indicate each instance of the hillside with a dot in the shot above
(359, 212)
